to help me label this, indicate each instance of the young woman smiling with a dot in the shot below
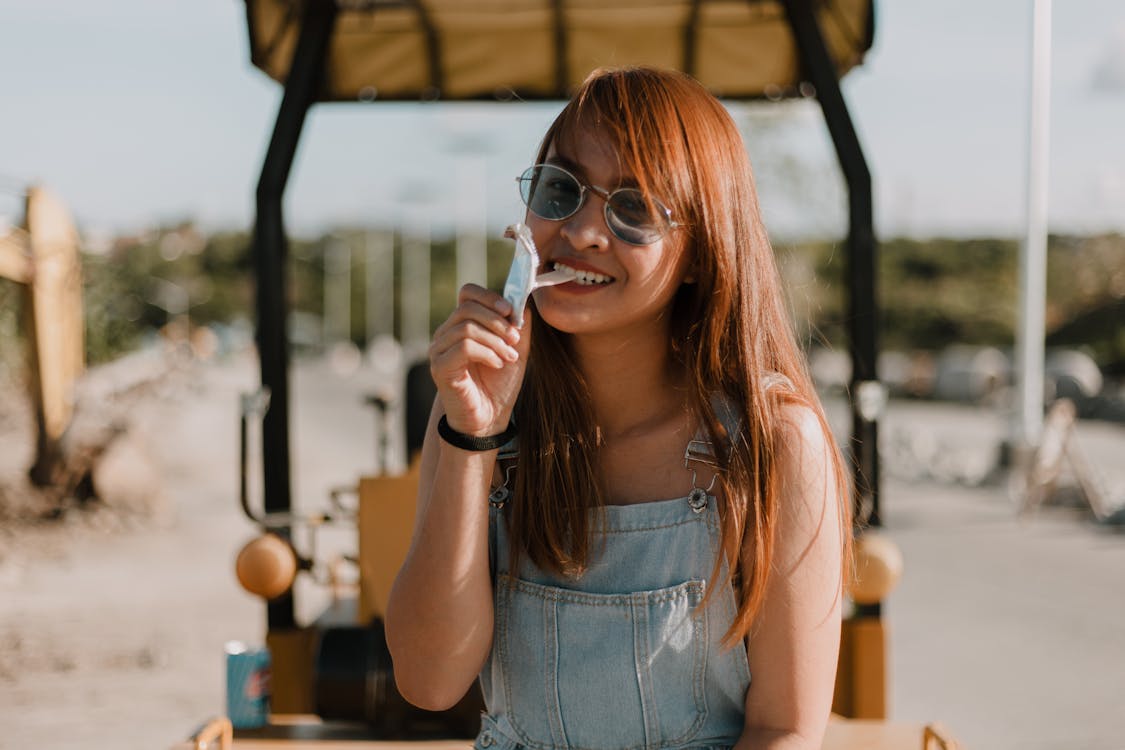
(670, 518)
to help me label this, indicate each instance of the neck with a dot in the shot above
(632, 381)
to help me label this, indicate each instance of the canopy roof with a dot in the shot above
(410, 50)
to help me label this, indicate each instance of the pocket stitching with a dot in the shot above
(699, 658)
(507, 585)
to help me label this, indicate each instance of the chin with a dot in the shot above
(566, 321)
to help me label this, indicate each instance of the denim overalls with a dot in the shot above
(621, 658)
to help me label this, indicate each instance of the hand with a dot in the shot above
(478, 359)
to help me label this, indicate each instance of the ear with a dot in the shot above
(691, 275)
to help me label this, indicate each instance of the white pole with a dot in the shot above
(415, 305)
(380, 296)
(337, 291)
(471, 209)
(1033, 253)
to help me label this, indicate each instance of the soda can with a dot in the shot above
(248, 685)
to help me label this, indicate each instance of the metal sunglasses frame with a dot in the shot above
(606, 196)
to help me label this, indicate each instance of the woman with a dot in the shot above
(597, 612)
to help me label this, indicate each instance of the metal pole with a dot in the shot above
(867, 394)
(1033, 252)
(269, 251)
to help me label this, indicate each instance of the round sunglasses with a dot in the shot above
(555, 194)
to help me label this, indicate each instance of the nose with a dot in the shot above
(586, 228)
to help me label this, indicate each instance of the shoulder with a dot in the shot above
(799, 430)
(808, 476)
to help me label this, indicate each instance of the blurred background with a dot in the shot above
(148, 125)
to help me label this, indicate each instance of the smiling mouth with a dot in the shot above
(582, 278)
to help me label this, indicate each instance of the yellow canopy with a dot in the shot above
(409, 50)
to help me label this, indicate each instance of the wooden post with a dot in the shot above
(861, 678)
(55, 332)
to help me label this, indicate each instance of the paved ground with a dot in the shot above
(1008, 630)
(1011, 631)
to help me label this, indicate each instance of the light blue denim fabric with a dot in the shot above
(621, 658)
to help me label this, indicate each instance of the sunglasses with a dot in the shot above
(554, 194)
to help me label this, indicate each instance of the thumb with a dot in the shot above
(523, 346)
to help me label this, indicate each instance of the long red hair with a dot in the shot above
(730, 330)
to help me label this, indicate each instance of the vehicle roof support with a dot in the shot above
(863, 306)
(270, 248)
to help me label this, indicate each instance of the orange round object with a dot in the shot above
(878, 567)
(266, 566)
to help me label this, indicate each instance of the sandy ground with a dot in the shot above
(112, 624)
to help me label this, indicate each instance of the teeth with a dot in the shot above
(583, 277)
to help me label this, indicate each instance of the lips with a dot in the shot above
(583, 276)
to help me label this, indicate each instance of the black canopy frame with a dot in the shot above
(303, 88)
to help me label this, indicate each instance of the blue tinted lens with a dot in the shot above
(633, 219)
(550, 192)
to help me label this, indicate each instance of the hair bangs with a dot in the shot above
(638, 114)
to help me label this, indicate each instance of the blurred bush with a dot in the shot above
(934, 293)
(940, 292)
(139, 284)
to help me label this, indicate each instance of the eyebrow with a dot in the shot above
(572, 166)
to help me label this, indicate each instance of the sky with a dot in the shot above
(146, 112)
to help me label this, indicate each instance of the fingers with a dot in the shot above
(478, 331)
(468, 342)
(477, 360)
(486, 309)
(486, 297)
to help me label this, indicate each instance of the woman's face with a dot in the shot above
(626, 285)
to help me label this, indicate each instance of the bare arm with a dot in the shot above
(439, 615)
(794, 646)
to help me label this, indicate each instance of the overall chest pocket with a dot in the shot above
(602, 671)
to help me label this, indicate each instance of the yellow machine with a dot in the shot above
(332, 678)
(42, 256)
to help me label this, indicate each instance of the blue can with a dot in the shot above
(248, 685)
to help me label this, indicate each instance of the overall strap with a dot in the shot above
(700, 450)
(506, 460)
